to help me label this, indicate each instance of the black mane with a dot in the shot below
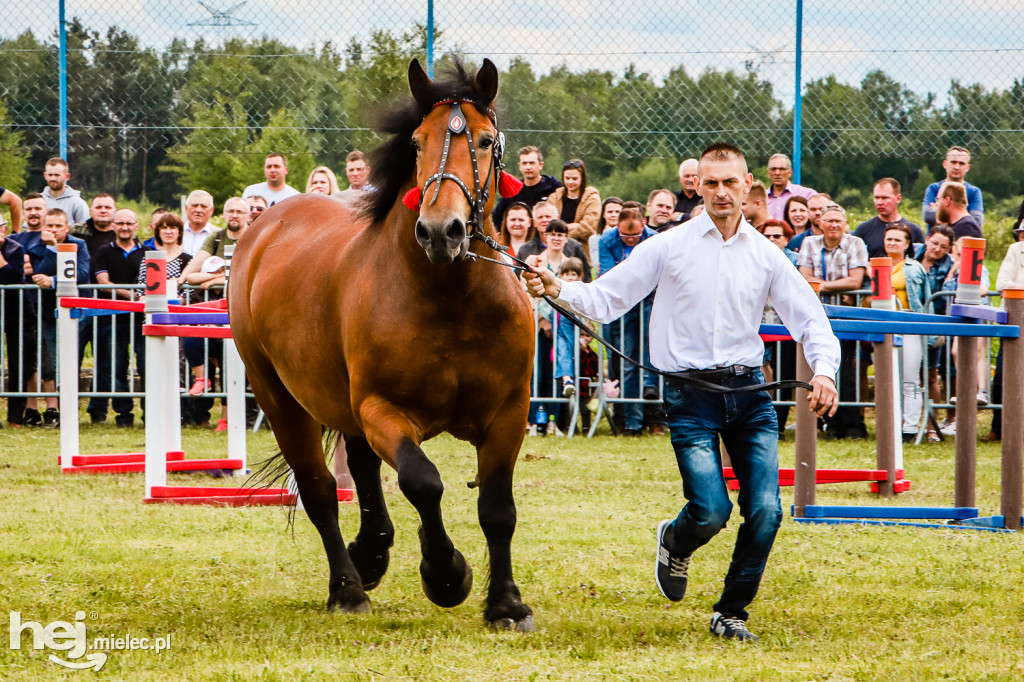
(393, 163)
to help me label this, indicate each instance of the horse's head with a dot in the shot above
(456, 162)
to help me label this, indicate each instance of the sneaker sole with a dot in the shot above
(657, 556)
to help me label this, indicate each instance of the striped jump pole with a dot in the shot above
(158, 388)
(234, 377)
(67, 356)
(968, 291)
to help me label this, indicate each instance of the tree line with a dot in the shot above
(155, 123)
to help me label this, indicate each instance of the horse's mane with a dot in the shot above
(393, 163)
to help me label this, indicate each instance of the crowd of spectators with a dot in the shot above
(560, 223)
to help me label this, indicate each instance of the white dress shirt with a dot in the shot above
(711, 294)
(192, 241)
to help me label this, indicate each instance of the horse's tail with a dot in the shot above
(274, 472)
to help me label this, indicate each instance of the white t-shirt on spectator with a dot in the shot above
(272, 197)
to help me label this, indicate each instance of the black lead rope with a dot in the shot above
(680, 377)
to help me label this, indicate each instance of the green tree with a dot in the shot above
(200, 161)
(13, 155)
(282, 136)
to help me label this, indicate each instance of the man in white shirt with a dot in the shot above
(713, 276)
(275, 189)
(199, 208)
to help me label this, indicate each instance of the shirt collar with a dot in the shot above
(705, 224)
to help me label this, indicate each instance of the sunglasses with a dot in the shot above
(257, 209)
(775, 236)
(572, 164)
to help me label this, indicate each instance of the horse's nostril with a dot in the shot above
(456, 231)
(422, 236)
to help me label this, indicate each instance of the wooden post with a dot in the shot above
(886, 431)
(805, 468)
(968, 286)
(1013, 414)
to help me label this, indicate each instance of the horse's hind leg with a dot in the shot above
(369, 551)
(496, 458)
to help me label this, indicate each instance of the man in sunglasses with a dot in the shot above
(257, 205)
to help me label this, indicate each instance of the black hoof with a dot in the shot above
(525, 625)
(372, 565)
(349, 600)
(448, 587)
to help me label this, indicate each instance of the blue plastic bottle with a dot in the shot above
(542, 420)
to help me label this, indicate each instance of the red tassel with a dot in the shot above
(412, 199)
(509, 185)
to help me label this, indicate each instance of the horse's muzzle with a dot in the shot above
(443, 242)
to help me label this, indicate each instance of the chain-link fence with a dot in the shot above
(165, 96)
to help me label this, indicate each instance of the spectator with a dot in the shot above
(543, 213)
(516, 228)
(257, 205)
(536, 186)
(839, 262)
(116, 263)
(779, 232)
(609, 220)
(358, 173)
(1011, 276)
(687, 197)
(14, 205)
(34, 210)
(934, 257)
(275, 188)
(19, 332)
(167, 237)
(154, 218)
(58, 193)
(797, 216)
(571, 270)
(98, 230)
(887, 199)
(951, 209)
(624, 333)
(981, 358)
(661, 204)
(815, 205)
(780, 172)
(755, 207)
(199, 206)
(910, 285)
(1020, 219)
(956, 164)
(322, 181)
(54, 232)
(578, 204)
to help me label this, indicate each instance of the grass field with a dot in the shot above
(242, 597)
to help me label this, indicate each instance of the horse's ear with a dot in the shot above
(419, 83)
(486, 81)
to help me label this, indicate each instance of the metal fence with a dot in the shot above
(158, 92)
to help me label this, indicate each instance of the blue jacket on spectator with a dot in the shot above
(49, 262)
(610, 250)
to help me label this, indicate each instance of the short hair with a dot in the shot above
(33, 195)
(260, 197)
(168, 219)
(235, 199)
(945, 230)
(199, 195)
(640, 208)
(543, 204)
(956, 191)
(893, 182)
(57, 211)
(630, 214)
(772, 222)
(56, 161)
(332, 179)
(841, 211)
(558, 225)
(571, 264)
(273, 154)
(105, 195)
(654, 193)
(824, 195)
(958, 148)
(758, 192)
(723, 151)
(355, 155)
(523, 151)
(789, 163)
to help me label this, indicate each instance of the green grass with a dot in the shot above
(243, 597)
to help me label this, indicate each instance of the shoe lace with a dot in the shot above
(734, 624)
(678, 567)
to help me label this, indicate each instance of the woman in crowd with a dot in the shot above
(934, 257)
(167, 236)
(322, 181)
(516, 227)
(779, 233)
(910, 285)
(578, 204)
(609, 220)
(543, 213)
(796, 214)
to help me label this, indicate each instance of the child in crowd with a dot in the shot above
(571, 270)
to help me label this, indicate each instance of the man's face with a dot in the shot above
(779, 172)
(660, 209)
(957, 164)
(256, 207)
(236, 215)
(199, 212)
(815, 205)
(357, 171)
(630, 232)
(942, 209)
(688, 176)
(275, 170)
(543, 216)
(56, 176)
(102, 211)
(833, 226)
(723, 185)
(530, 166)
(937, 246)
(750, 208)
(35, 213)
(887, 201)
(125, 225)
(57, 225)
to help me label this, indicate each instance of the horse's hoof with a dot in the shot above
(348, 600)
(524, 625)
(361, 607)
(448, 589)
(371, 568)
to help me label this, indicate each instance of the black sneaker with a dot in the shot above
(125, 421)
(670, 571)
(731, 628)
(32, 417)
(651, 393)
(51, 418)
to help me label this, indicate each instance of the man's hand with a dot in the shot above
(28, 267)
(824, 399)
(43, 281)
(48, 237)
(541, 281)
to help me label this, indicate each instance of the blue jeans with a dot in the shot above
(749, 430)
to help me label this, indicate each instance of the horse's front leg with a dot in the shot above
(369, 551)
(496, 459)
(446, 577)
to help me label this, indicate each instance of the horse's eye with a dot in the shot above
(486, 143)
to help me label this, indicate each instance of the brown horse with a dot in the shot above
(373, 321)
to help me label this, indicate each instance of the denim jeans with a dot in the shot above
(749, 430)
